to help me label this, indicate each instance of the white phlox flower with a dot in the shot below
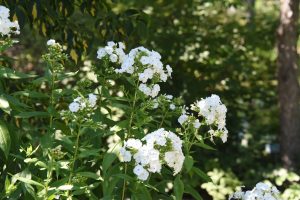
(151, 152)
(7, 27)
(114, 51)
(213, 112)
(74, 107)
(261, 191)
(183, 118)
(81, 103)
(163, 100)
(172, 106)
(51, 42)
(146, 66)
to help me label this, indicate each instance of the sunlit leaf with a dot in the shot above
(5, 140)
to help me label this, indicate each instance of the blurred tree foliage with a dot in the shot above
(82, 24)
(211, 47)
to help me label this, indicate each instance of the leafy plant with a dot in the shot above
(62, 150)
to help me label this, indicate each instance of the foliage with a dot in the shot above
(63, 153)
(222, 185)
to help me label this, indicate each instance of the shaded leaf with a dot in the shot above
(188, 163)
(107, 161)
(204, 146)
(32, 114)
(201, 174)
(188, 189)
(12, 74)
(178, 188)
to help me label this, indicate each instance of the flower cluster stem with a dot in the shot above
(131, 114)
(49, 178)
(74, 158)
(128, 135)
(52, 99)
(124, 184)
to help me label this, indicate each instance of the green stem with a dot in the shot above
(49, 174)
(131, 114)
(128, 135)
(100, 95)
(192, 140)
(74, 158)
(124, 184)
(163, 119)
(52, 98)
(186, 140)
(49, 178)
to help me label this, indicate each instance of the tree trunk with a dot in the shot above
(289, 91)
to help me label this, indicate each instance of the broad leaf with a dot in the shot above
(204, 146)
(28, 181)
(32, 114)
(107, 161)
(11, 74)
(188, 189)
(4, 105)
(201, 174)
(178, 188)
(5, 140)
(188, 163)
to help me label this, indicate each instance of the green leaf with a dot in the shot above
(5, 140)
(84, 153)
(40, 80)
(188, 163)
(30, 190)
(107, 161)
(204, 146)
(90, 175)
(7, 183)
(123, 176)
(178, 188)
(4, 105)
(28, 181)
(41, 164)
(201, 174)
(12, 74)
(31, 94)
(15, 104)
(66, 75)
(142, 193)
(65, 187)
(32, 114)
(188, 189)
(151, 187)
(119, 126)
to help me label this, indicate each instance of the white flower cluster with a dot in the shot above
(142, 63)
(52, 42)
(7, 27)
(81, 103)
(161, 147)
(212, 109)
(213, 112)
(115, 52)
(261, 191)
(147, 66)
(162, 99)
(186, 118)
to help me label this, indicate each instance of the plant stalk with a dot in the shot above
(74, 158)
